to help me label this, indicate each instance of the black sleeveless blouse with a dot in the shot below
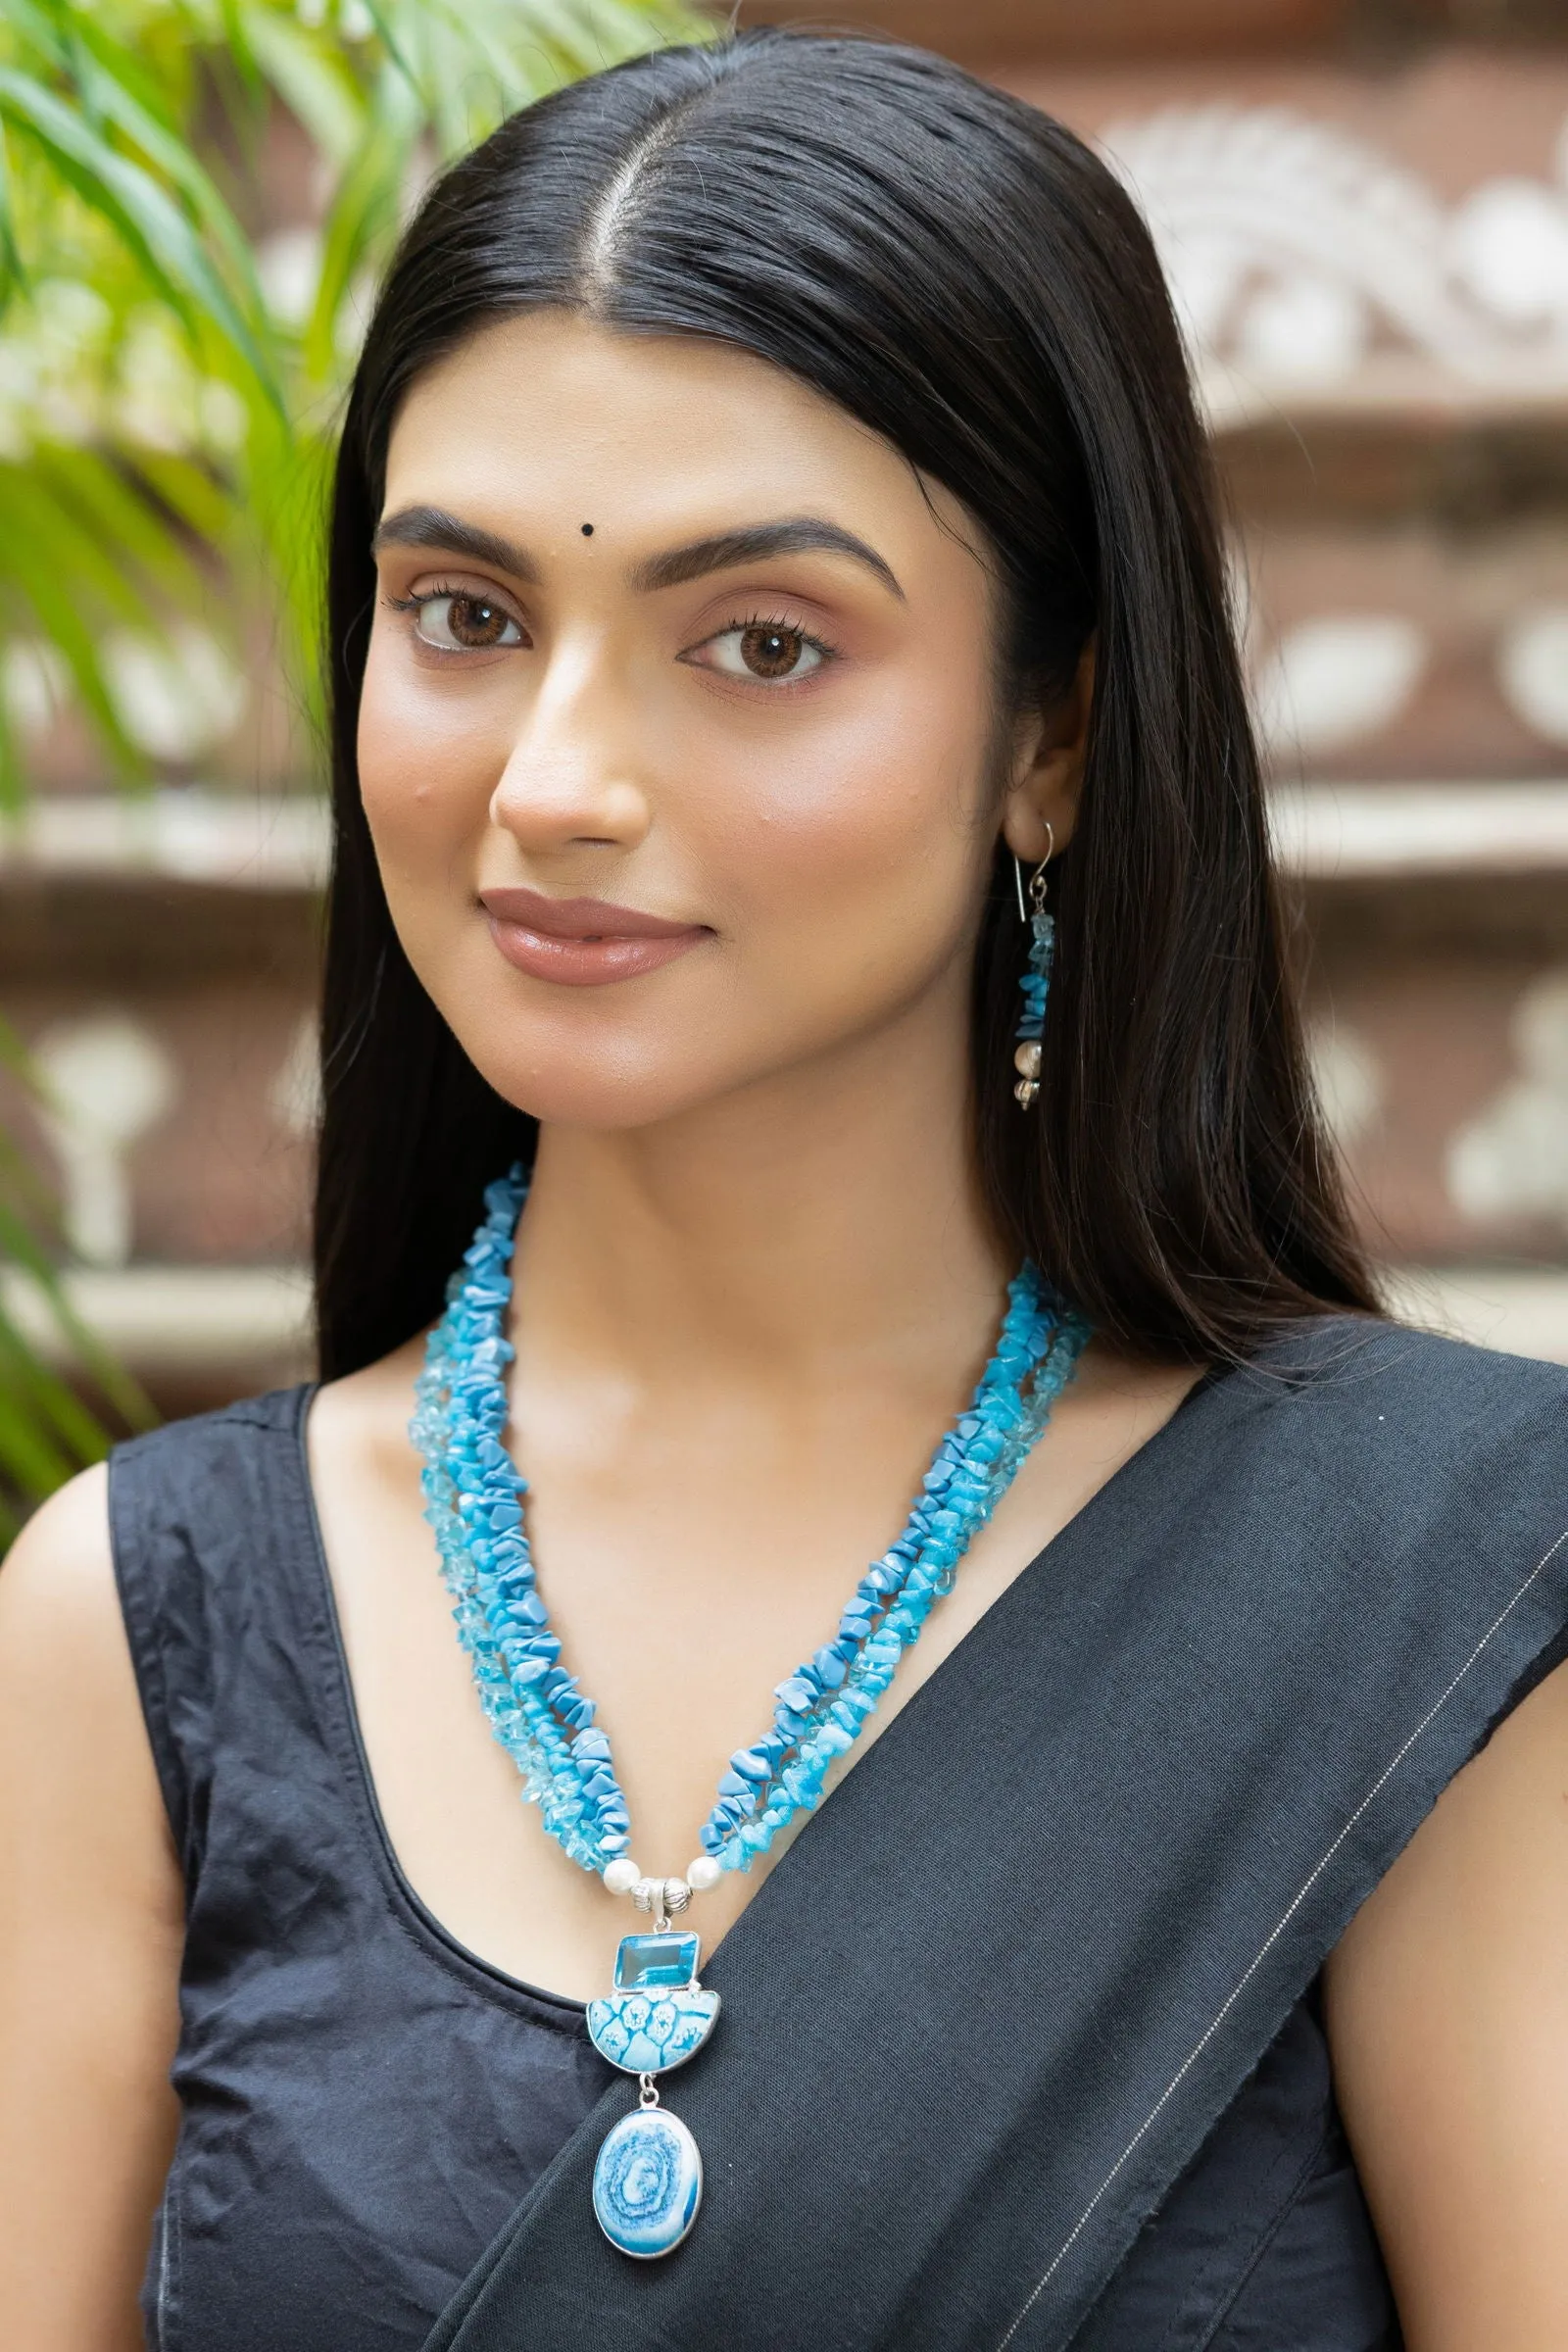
(367, 2105)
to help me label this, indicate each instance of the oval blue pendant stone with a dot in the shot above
(648, 2183)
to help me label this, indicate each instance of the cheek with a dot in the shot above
(427, 772)
(427, 763)
(875, 822)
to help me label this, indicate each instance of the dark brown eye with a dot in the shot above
(767, 651)
(466, 623)
(771, 653)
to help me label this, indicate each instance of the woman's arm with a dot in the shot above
(90, 1931)
(1447, 2007)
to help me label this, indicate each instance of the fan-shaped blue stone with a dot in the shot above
(648, 2033)
(648, 2183)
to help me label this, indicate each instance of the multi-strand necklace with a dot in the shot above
(647, 2178)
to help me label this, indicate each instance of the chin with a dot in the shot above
(593, 1091)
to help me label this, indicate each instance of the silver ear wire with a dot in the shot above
(1037, 886)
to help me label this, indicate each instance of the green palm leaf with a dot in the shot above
(132, 202)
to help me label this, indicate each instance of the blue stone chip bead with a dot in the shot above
(474, 1501)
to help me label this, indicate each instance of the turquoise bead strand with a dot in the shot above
(474, 1502)
(822, 1707)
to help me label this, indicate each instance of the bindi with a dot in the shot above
(587, 530)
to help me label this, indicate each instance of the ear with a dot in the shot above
(1047, 770)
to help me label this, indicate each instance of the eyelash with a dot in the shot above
(739, 621)
(439, 588)
(770, 620)
(774, 620)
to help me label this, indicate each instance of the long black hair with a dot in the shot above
(962, 274)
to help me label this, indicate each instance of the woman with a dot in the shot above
(772, 554)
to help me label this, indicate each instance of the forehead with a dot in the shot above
(548, 419)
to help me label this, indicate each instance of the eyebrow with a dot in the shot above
(796, 535)
(434, 527)
(799, 535)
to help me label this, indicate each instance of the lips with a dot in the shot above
(583, 942)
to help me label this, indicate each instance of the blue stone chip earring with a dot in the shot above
(1036, 979)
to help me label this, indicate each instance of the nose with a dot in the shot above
(571, 781)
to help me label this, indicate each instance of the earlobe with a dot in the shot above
(1045, 795)
(1048, 770)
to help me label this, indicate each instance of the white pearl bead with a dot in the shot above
(622, 1875)
(703, 1874)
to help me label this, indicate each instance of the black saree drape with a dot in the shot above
(986, 2011)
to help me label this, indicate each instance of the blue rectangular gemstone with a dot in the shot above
(645, 1962)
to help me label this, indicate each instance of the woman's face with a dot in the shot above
(677, 742)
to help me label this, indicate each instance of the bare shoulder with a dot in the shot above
(1447, 2008)
(57, 1590)
(89, 1940)
(1494, 1844)
(361, 1415)
(64, 1664)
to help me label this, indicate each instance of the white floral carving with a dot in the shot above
(1349, 1079)
(295, 1093)
(1533, 669)
(1513, 1159)
(106, 1081)
(1294, 248)
(1335, 679)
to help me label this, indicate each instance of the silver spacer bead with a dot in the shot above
(1024, 1092)
(677, 1895)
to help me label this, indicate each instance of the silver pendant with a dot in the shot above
(647, 2180)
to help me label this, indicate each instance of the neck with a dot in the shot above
(819, 1225)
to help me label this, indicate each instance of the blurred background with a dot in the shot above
(1364, 209)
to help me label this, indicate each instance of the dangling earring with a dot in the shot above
(1036, 979)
